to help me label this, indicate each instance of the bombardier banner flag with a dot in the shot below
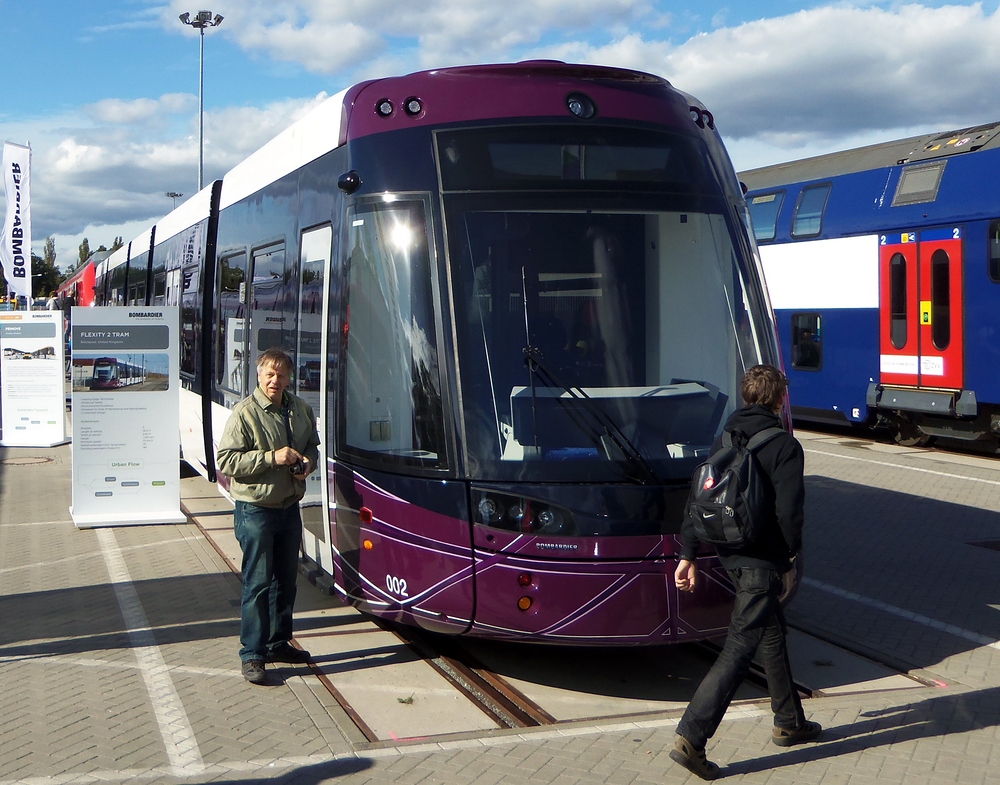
(15, 239)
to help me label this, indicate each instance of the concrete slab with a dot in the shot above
(830, 670)
(566, 683)
(396, 693)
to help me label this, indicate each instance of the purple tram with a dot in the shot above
(110, 373)
(520, 299)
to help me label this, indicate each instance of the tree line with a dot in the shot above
(46, 276)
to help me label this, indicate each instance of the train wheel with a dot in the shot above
(911, 436)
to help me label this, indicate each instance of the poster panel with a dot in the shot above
(126, 400)
(32, 379)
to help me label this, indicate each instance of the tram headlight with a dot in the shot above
(521, 514)
(490, 510)
(581, 105)
(384, 108)
(413, 106)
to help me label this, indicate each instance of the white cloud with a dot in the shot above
(115, 110)
(108, 175)
(830, 77)
(325, 37)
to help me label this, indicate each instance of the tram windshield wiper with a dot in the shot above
(612, 433)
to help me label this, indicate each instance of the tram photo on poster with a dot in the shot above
(125, 416)
(131, 371)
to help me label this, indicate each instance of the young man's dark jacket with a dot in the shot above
(782, 462)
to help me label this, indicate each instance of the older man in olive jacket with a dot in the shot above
(268, 447)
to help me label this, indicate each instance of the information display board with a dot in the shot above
(125, 372)
(32, 379)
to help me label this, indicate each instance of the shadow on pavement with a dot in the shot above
(942, 715)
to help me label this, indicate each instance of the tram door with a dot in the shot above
(314, 264)
(920, 309)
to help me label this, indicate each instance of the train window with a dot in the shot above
(547, 158)
(272, 305)
(807, 341)
(314, 260)
(229, 367)
(160, 288)
(994, 257)
(808, 220)
(635, 321)
(118, 285)
(897, 301)
(314, 256)
(190, 320)
(940, 299)
(393, 409)
(919, 184)
(764, 209)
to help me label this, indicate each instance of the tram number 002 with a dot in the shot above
(396, 586)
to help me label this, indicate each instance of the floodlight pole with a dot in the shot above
(201, 20)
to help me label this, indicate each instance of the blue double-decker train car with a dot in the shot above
(883, 269)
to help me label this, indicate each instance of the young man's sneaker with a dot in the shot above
(253, 672)
(785, 737)
(285, 652)
(693, 760)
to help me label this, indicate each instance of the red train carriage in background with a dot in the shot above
(78, 289)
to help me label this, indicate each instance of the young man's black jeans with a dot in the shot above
(757, 622)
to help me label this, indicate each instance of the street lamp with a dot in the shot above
(173, 195)
(201, 20)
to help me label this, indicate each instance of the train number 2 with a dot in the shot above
(396, 586)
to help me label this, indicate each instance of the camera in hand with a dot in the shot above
(298, 467)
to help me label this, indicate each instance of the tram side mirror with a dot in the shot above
(349, 182)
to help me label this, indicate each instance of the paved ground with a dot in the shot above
(117, 652)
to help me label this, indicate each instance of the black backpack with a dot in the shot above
(729, 501)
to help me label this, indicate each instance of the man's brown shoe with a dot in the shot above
(253, 672)
(784, 737)
(693, 760)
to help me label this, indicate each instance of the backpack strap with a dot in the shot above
(758, 440)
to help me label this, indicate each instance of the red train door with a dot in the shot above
(920, 309)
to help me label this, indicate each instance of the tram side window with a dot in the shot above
(807, 341)
(229, 366)
(392, 412)
(118, 285)
(764, 210)
(314, 255)
(160, 288)
(272, 305)
(995, 252)
(190, 321)
(808, 220)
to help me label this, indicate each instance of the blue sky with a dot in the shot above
(106, 90)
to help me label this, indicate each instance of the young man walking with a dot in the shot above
(268, 447)
(758, 572)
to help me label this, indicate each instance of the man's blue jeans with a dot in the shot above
(757, 623)
(270, 541)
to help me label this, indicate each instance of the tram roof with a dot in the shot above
(912, 149)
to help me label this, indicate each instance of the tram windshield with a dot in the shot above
(601, 337)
